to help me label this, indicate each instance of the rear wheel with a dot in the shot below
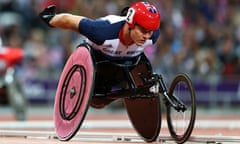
(181, 123)
(73, 94)
(145, 116)
(144, 113)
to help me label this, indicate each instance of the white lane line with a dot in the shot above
(113, 136)
(85, 136)
(27, 133)
(214, 139)
(88, 124)
(231, 124)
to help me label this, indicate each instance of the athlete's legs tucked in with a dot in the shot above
(113, 75)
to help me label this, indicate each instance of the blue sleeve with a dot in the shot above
(99, 30)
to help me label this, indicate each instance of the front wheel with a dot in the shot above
(181, 123)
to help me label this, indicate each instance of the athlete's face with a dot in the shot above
(139, 35)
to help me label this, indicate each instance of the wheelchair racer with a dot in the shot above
(114, 37)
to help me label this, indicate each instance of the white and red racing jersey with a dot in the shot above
(103, 35)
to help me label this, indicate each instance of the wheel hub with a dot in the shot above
(72, 92)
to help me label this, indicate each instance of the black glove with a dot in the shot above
(47, 14)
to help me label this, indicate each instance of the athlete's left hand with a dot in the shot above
(47, 14)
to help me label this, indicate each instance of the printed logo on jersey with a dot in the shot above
(130, 15)
(112, 51)
(133, 53)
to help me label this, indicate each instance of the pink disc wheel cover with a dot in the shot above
(73, 93)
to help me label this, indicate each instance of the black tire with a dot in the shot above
(182, 88)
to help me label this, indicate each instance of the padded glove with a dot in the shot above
(47, 14)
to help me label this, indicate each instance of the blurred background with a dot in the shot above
(198, 37)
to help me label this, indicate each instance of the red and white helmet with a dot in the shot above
(143, 14)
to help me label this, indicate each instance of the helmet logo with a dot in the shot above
(130, 15)
(152, 10)
(150, 7)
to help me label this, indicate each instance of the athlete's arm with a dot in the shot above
(64, 20)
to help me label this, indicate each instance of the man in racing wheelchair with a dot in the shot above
(112, 65)
(119, 39)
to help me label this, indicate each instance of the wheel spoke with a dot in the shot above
(181, 122)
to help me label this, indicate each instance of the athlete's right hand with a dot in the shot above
(47, 14)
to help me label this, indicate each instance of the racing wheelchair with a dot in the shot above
(89, 79)
(11, 90)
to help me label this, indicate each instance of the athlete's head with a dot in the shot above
(144, 15)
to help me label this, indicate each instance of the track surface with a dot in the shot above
(107, 126)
